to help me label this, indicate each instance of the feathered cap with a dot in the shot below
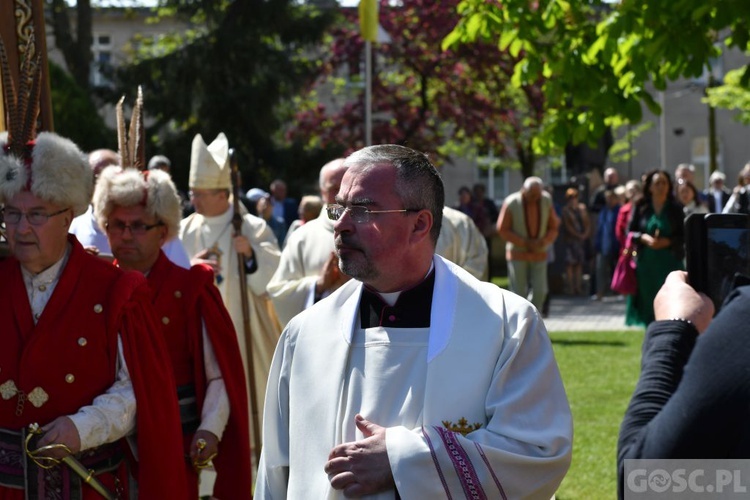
(209, 165)
(129, 184)
(50, 167)
(127, 187)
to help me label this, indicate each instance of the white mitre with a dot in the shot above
(209, 165)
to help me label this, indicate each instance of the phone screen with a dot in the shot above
(728, 253)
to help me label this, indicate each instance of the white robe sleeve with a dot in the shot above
(290, 289)
(266, 253)
(473, 250)
(273, 470)
(524, 450)
(176, 253)
(461, 243)
(215, 412)
(111, 415)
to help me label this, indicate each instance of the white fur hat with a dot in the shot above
(128, 187)
(209, 165)
(55, 171)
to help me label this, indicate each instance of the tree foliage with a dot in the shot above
(597, 60)
(75, 115)
(448, 102)
(230, 72)
(733, 95)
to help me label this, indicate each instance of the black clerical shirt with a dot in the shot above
(411, 310)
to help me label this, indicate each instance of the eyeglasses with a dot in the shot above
(117, 228)
(202, 194)
(35, 217)
(360, 214)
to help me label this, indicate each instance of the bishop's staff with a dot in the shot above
(244, 300)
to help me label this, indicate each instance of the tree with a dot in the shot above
(75, 49)
(733, 94)
(450, 102)
(598, 60)
(75, 115)
(230, 72)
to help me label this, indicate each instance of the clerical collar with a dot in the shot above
(411, 310)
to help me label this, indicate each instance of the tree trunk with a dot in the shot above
(76, 51)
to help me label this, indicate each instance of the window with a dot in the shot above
(494, 178)
(102, 50)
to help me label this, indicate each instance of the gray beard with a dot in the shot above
(363, 270)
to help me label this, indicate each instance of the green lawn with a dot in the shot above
(599, 370)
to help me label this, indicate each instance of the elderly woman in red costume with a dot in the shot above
(139, 211)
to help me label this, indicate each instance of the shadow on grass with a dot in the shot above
(611, 343)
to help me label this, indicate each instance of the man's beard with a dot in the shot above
(361, 269)
(358, 267)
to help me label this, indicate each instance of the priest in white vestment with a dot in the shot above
(414, 379)
(207, 236)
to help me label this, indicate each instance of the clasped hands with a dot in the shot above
(361, 467)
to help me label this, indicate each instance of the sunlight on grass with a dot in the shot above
(599, 370)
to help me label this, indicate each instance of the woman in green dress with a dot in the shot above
(657, 226)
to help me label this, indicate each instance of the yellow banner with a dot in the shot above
(368, 19)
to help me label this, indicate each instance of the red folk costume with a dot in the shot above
(186, 301)
(71, 355)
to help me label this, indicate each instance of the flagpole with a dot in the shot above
(368, 93)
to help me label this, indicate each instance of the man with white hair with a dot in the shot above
(78, 355)
(529, 225)
(91, 236)
(139, 211)
(308, 270)
(717, 195)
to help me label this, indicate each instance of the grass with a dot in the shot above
(599, 370)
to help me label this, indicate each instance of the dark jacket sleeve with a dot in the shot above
(691, 400)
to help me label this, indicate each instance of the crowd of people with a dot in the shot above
(160, 336)
(148, 334)
(340, 331)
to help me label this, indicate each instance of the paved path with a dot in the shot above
(580, 313)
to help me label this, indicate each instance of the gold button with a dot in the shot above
(70, 378)
(178, 294)
(98, 308)
(82, 341)
(42, 288)
(165, 320)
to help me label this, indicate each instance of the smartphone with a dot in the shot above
(695, 252)
(717, 253)
(727, 253)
